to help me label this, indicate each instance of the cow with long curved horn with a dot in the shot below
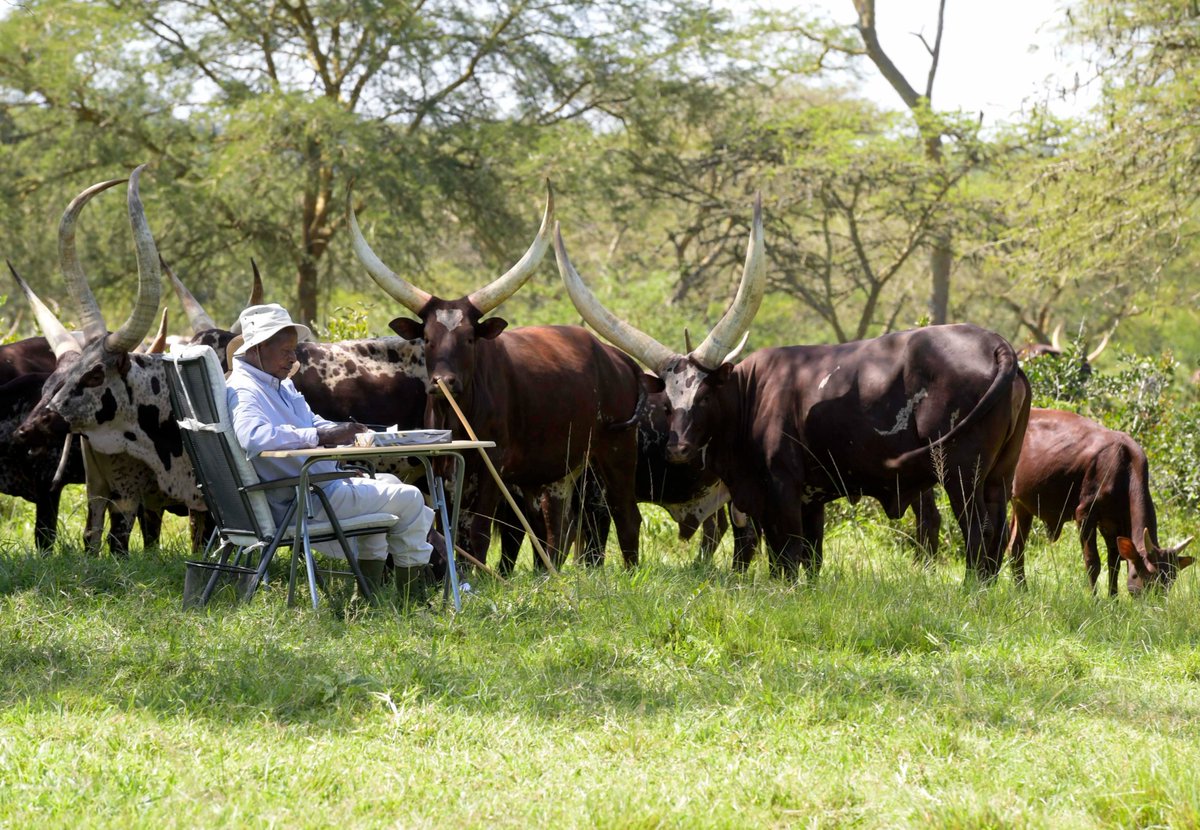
(790, 429)
(113, 396)
(39, 470)
(553, 398)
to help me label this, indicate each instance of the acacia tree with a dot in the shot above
(849, 202)
(1101, 213)
(262, 110)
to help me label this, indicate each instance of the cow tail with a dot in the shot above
(638, 411)
(1006, 372)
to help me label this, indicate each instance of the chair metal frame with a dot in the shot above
(233, 492)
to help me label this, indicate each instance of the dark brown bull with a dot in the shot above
(553, 398)
(790, 429)
(1074, 469)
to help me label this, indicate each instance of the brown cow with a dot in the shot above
(553, 398)
(790, 429)
(1074, 469)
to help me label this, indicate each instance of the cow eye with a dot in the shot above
(93, 378)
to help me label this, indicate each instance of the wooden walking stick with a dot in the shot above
(462, 554)
(537, 545)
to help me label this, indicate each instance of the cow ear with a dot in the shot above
(652, 383)
(1184, 561)
(408, 329)
(490, 328)
(721, 373)
(1128, 550)
(123, 363)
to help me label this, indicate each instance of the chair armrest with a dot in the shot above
(280, 483)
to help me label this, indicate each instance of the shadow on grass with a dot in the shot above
(662, 641)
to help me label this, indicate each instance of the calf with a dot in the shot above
(1074, 469)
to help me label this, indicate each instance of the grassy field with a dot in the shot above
(674, 696)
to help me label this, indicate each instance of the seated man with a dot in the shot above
(268, 413)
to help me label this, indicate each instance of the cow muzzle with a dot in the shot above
(452, 383)
(681, 452)
(43, 425)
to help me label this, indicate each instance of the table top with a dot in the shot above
(394, 449)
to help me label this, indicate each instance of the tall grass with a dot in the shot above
(674, 695)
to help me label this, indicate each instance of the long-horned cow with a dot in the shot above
(790, 429)
(553, 398)
(107, 391)
(1074, 469)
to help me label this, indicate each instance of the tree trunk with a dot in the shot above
(940, 261)
(306, 291)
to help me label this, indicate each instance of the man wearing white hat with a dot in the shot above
(270, 414)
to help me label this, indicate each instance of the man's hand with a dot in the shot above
(341, 434)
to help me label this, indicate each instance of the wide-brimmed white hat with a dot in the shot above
(259, 323)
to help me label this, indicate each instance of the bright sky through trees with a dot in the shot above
(996, 57)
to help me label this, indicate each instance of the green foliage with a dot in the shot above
(347, 323)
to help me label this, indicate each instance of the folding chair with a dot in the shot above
(234, 494)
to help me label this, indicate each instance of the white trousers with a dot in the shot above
(407, 541)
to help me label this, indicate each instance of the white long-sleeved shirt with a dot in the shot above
(270, 414)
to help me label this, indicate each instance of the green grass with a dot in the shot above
(674, 696)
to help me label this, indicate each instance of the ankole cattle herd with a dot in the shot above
(586, 429)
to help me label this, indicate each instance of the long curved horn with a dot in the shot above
(1096, 352)
(1056, 338)
(90, 316)
(400, 290)
(197, 316)
(737, 350)
(61, 341)
(622, 335)
(723, 339)
(256, 289)
(499, 290)
(141, 318)
(159, 344)
(64, 457)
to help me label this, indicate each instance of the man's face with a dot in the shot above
(276, 355)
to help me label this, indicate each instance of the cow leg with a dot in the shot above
(745, 539)
(93, 527)
(150, 521)
(1019, 527)
(812, 544)
(45, 522)
(994, 532)
(1091, 556)
(618, 479)
(200, 526)
(120, 527)
(512, 535)
(476, 519)
(712, 530)
(559, 517)
(784, 533)
(595, 521)
(1114, 563)
(977, 517)
(929, 527)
